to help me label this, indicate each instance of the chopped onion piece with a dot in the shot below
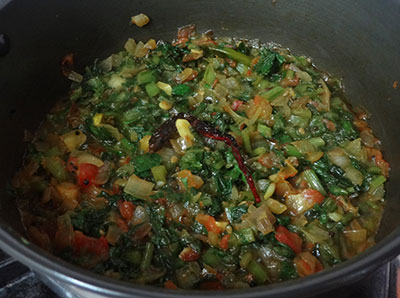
(69, 193)
(138, 187)
(358, 236)
(74, 76)
(183, 127)
(276, 206)
(113, 234)
(166, 88)
(140, 20)
(85, 157)
(130, 46)
(339, 158)
(144, 143)
(270, 190)
(74, 139)
(103, 174)
(264, 226)
(299, 203)
(354, 175)
(139, 216)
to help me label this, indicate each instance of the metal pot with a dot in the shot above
(358, 40)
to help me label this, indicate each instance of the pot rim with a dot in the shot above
(46, 264)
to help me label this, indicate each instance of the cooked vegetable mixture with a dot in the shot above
(206, 163)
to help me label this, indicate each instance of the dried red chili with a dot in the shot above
(168, 128)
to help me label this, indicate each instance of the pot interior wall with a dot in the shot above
(357, 40)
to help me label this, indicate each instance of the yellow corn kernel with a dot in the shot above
(183, 127)
(166, 88)
(140, 20)
(144, 143)
(174, 159)
(276, 206)
(97, 119)
(270, 190)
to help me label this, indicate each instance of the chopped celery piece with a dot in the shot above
(246, 141)
(260, 150)
(146, 76)
(242, 68)
(374, 170)
(246, 236)
(212, 259)
(56, 167)
(209, 74)
(317, 142)
(292, 151)
(376, 182)
(235, 55)
(264, 130)
(134, 257)
(273, 93)
(152, 89)
(258, 271)
(313, 180)
(148, 256)
(159, 174)
(245, 259)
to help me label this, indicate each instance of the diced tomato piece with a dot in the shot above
(189, 255)
(121, 223)
(283, 188)
(67, 64)
(169, 284)
(329, 124)
(376, 155)
(236, 104)
(287, 171)
(313, 195)
(84, 245)
(209, 222)
(224, 242)
(126, 209)
(186, 31)
(86, 174)
(360, 124)
(211, 285)
(192, 76)
(232, 63)
(307, 264)
(291, 239)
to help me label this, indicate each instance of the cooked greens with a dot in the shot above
(100, 190)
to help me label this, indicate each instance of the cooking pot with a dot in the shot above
(358, 40)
